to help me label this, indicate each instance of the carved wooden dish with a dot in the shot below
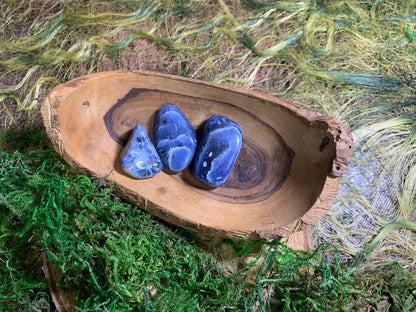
(285, 178)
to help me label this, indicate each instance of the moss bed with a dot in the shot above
(115, 257)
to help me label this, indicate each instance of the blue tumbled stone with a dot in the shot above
(218, 150)
(139, 158)
(175, 138)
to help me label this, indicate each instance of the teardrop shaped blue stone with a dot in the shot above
(139, 158)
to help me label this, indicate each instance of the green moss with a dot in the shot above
(116, 257)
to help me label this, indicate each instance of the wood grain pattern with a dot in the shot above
(250, 181)
(285, 178)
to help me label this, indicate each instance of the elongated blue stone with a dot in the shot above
(139, 158)
(218, 150)
(175, 138)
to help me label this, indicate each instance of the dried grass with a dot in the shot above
(349, 59)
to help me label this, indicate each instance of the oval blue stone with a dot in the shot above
(139, 158)
(175, 138)
(218, 150)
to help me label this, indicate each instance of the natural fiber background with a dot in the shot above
(353, 60)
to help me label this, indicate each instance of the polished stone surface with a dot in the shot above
(175, 139)
(139, 158)
(218, 150)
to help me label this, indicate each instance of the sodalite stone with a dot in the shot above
(139, 158)
(175, 139)
(218, 150)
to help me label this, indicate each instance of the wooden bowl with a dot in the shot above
(285, 178)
